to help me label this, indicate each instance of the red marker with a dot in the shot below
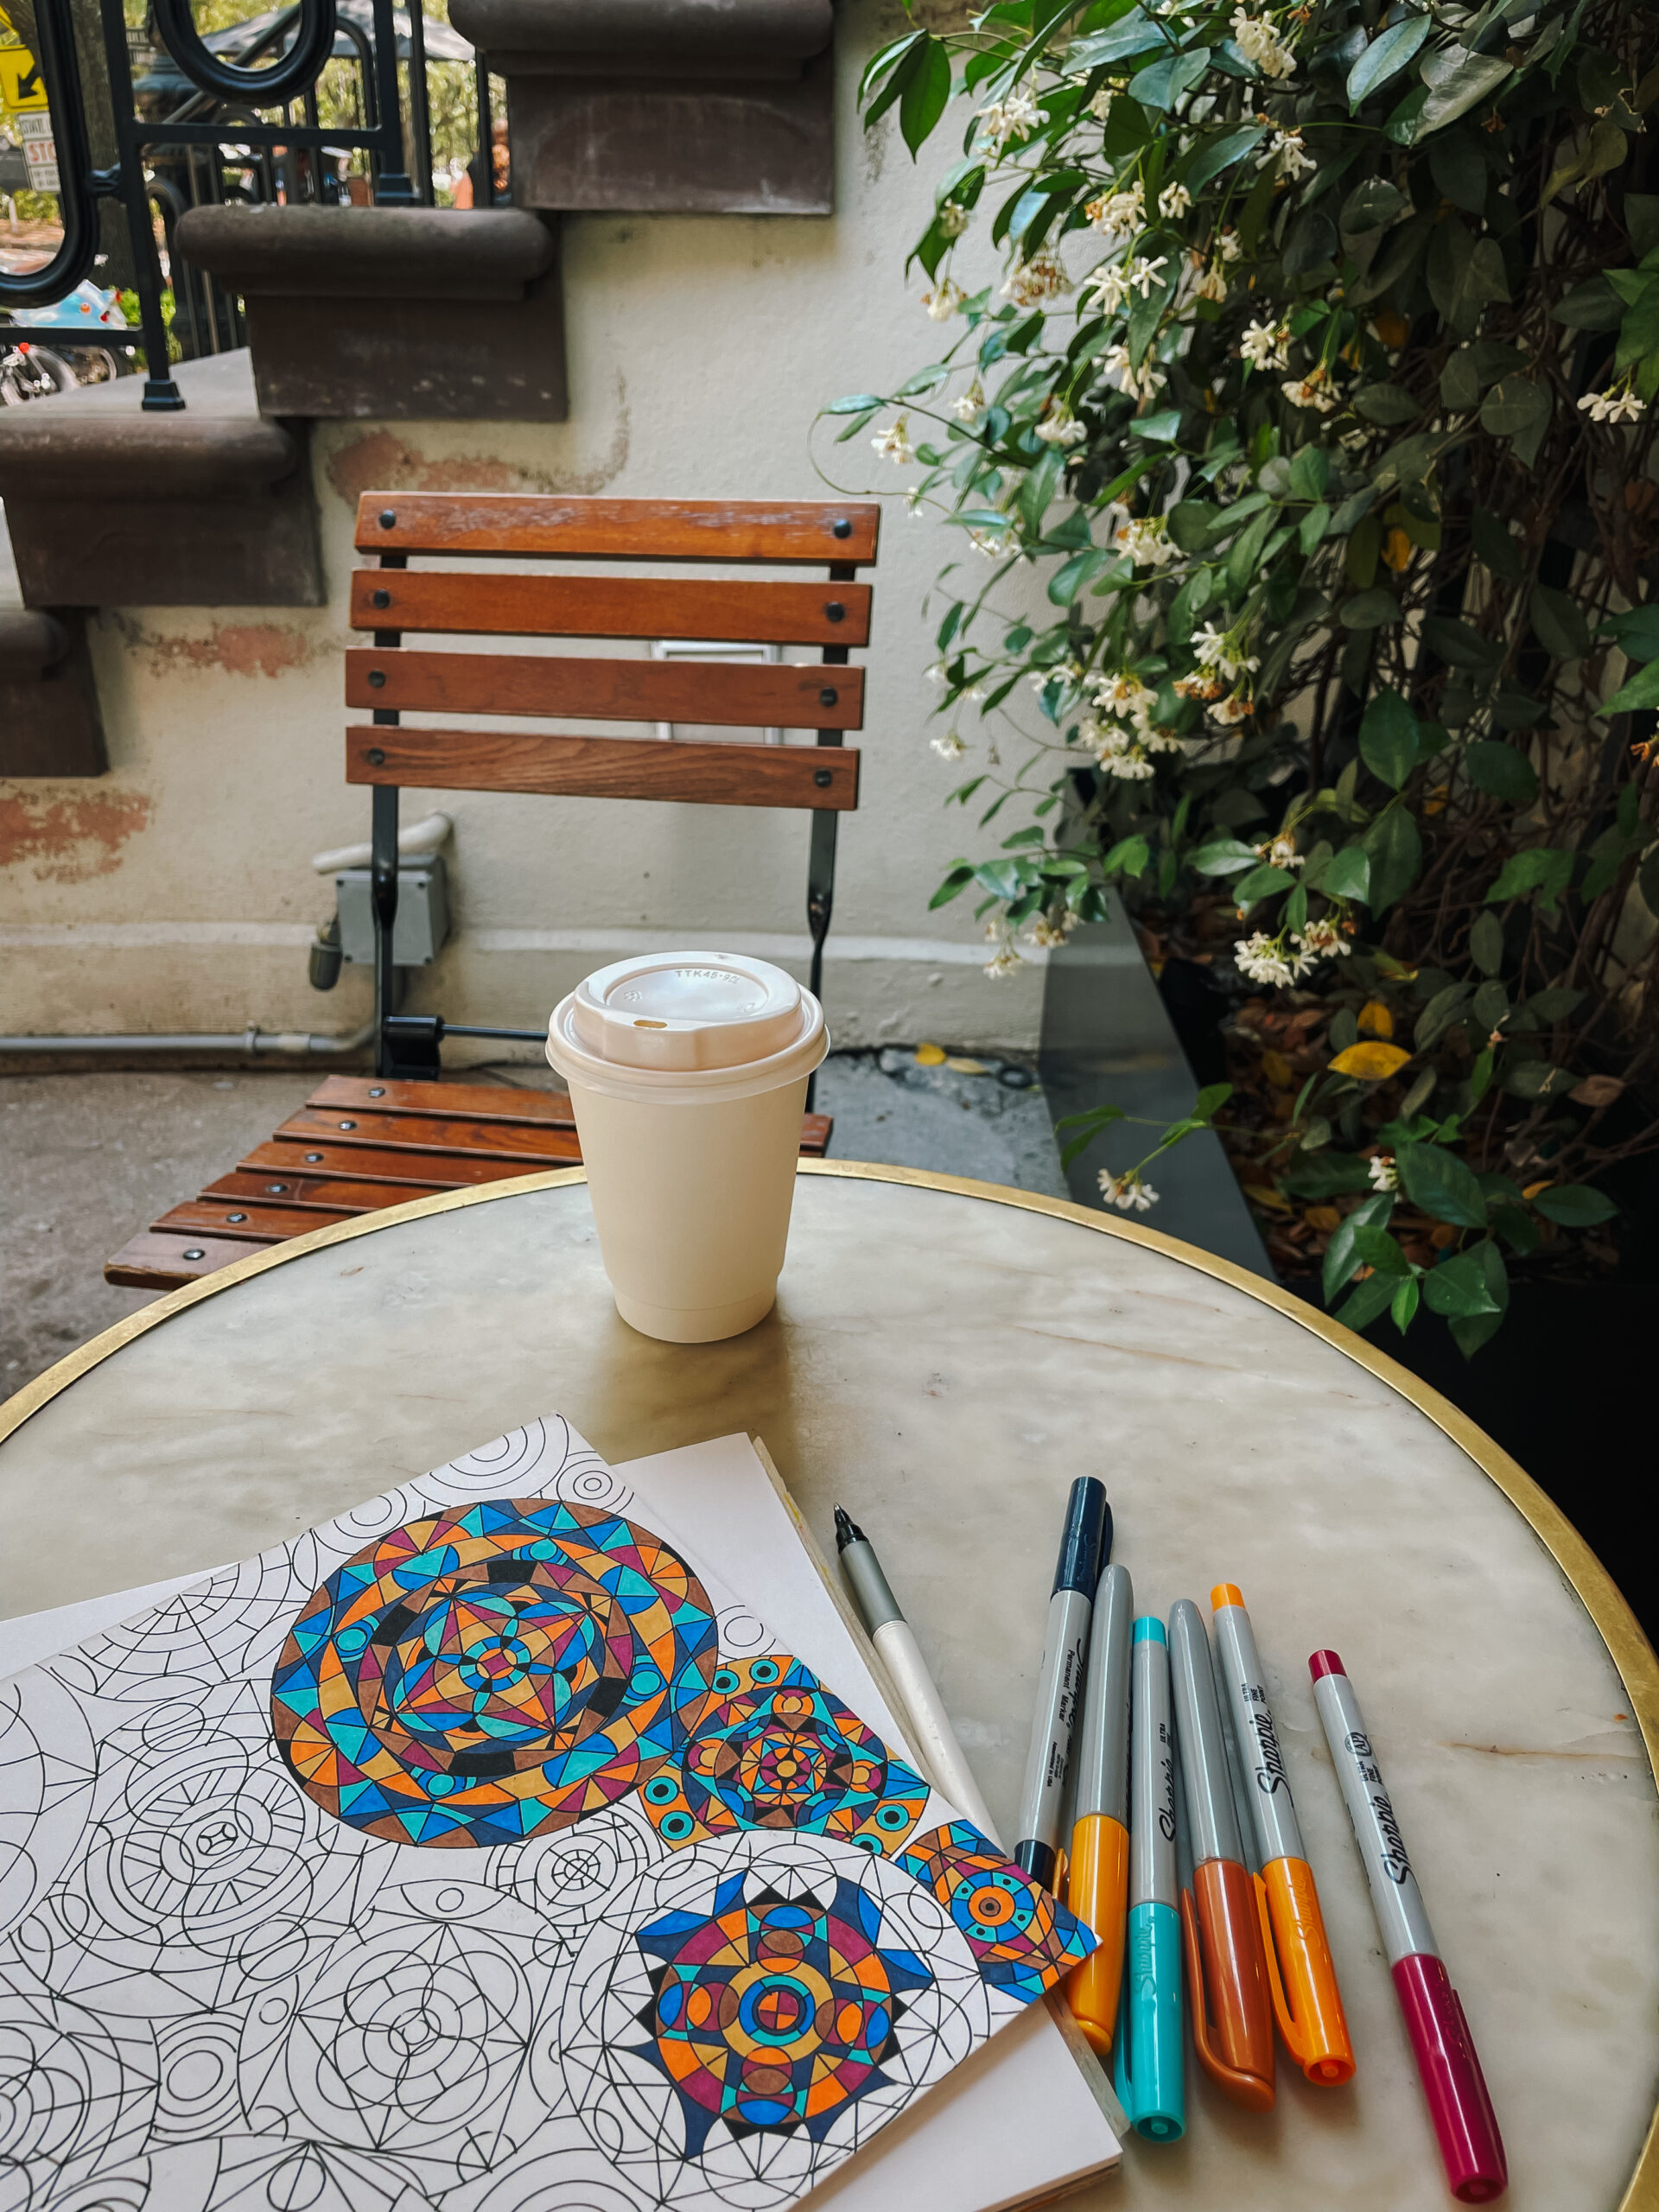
(1452, 2082)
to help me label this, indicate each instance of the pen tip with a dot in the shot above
(847, 1529)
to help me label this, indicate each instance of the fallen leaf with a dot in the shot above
(930, 1056)
(1265, 1196)
(1325, 1218)
(966, 1067)
(1277, 1069)
(1533, 1188)
(1442, 1235)
(1597, 1090)
(1371, 1063)
(1397, 550)
(1374, 1018)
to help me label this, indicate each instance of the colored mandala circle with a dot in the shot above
(773, 2012)
(1021, 1938)
(490, 1673)
(775, 1751)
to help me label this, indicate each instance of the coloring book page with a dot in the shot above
(479, 1850)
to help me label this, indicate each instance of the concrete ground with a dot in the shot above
(85, 1159)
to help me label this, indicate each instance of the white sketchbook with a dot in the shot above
(481, 1850)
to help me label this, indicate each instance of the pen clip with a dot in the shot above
(1296, 2042)
(1244, 2088)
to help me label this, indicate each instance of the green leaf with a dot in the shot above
(1536, 1079)
(1132, 34)
(1501, 772)
(1262, 882)
(1470, 1331)
(1376, 1248)
(1341, 1256)
(1439, 1183)
(1215, 155)
(1554, 1004)
(1325, 1175)
(923, 100)
(1636, 632)
(1089, 1127)
(1386, 402)
(1463, 274)
(1574, 1205)
(1458, 167)
(1640, 691)
(1369, 610)
(1347, 875)
(1385, 57)
(957, 881)
(1403, 1306)
(1593, 305)
(1438, 1016)
(1519, 408)
(1388, 738)
(1071, 575)
(1458, 645)
(1395, 851)
(1224, 856)
(1495, 546)
(1130, 856)
(1161, 84)
(1162, 429)
(1486, 944)
(1456, 79)
(1370, 1298)
(1458, 1286)
(1372, 204)
(857, 403)
(1460, 381)
(1559, 624)
(1540, 868)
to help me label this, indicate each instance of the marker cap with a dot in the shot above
(1320, 1663)
(1225, 1593)
(1150, 1630)
(1082, 1543)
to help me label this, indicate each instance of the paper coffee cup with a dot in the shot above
(687, 1076)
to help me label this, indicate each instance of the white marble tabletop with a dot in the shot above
(943, 1363)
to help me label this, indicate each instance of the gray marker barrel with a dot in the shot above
(1210, 1811)
(1104, 1759)
(1401, 1918)
(1273, 1813)
(1152, 1789)
(871, 1589)
(1060, 1684)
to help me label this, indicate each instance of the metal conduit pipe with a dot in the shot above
(253, 1043)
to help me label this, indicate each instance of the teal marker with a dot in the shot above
(1147, 2059)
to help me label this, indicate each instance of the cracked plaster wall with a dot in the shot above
(176, 893)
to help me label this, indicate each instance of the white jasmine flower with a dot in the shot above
(1212, 285)
(949, 746)
(1323, 940)
(1280, 851)
(1143, 274)
(1262, 959)
(1174, 200)
(1304, 392)
(1129, 1194)
(1004, 960)
(944, 299)
(1228, 246)
(1230, 710)
(1119, 214)
(983, 542)
(952, 220)
(1147, 542)
(1100, 105)
(1119, 370)
(1036, 282)
(1612, 407)
(1287, 149)
(1197, 687)
(1047, 934)
(1258, 41)
(893, 443)
(967, 404)
(1017, 117)
(1058, 427)
(1384, 1175)
(1110, 287)
(976, 694)
(1218, 649)
(913, 498)
(1266, 345)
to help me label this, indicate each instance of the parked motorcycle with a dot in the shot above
(29, 370)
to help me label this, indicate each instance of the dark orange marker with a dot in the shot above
(1227, 1974)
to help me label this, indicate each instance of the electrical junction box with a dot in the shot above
(422, 921)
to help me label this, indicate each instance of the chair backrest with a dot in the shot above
(393, 601)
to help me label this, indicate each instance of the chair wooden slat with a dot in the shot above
(825, 778)
(315, 1194)
(280, 1158)
(156, 1259)
(436, 1132)
(428, 601)
(249, 1222)
(509, 526)
(742, 696)
(479, 1102)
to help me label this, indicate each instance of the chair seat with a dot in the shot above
(360, 1143)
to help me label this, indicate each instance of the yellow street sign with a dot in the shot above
(22, 88)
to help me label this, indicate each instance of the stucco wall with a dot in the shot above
(176, 894)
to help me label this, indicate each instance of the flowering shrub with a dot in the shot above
(1300, 464)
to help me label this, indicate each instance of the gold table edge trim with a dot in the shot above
(1627, 1646)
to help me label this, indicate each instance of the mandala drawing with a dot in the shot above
(476, 1852)
(777, 1751)
(483, 1675)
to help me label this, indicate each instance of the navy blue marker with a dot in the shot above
(1085, 1548)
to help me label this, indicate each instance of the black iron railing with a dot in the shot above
(199, 127)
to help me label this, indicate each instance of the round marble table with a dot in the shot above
(943, 1358)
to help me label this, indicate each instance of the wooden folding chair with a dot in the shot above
(358, 1144)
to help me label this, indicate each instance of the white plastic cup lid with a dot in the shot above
(688, 1010)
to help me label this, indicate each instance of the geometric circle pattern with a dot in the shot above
(773, 2012)
(1021, 1939)
(775, 1752)
(493, 1672)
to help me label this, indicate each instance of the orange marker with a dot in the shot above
(1299, 1969)
(1232, 2012)
(1097, 1874)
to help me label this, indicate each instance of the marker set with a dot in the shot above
(1185, 1853)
